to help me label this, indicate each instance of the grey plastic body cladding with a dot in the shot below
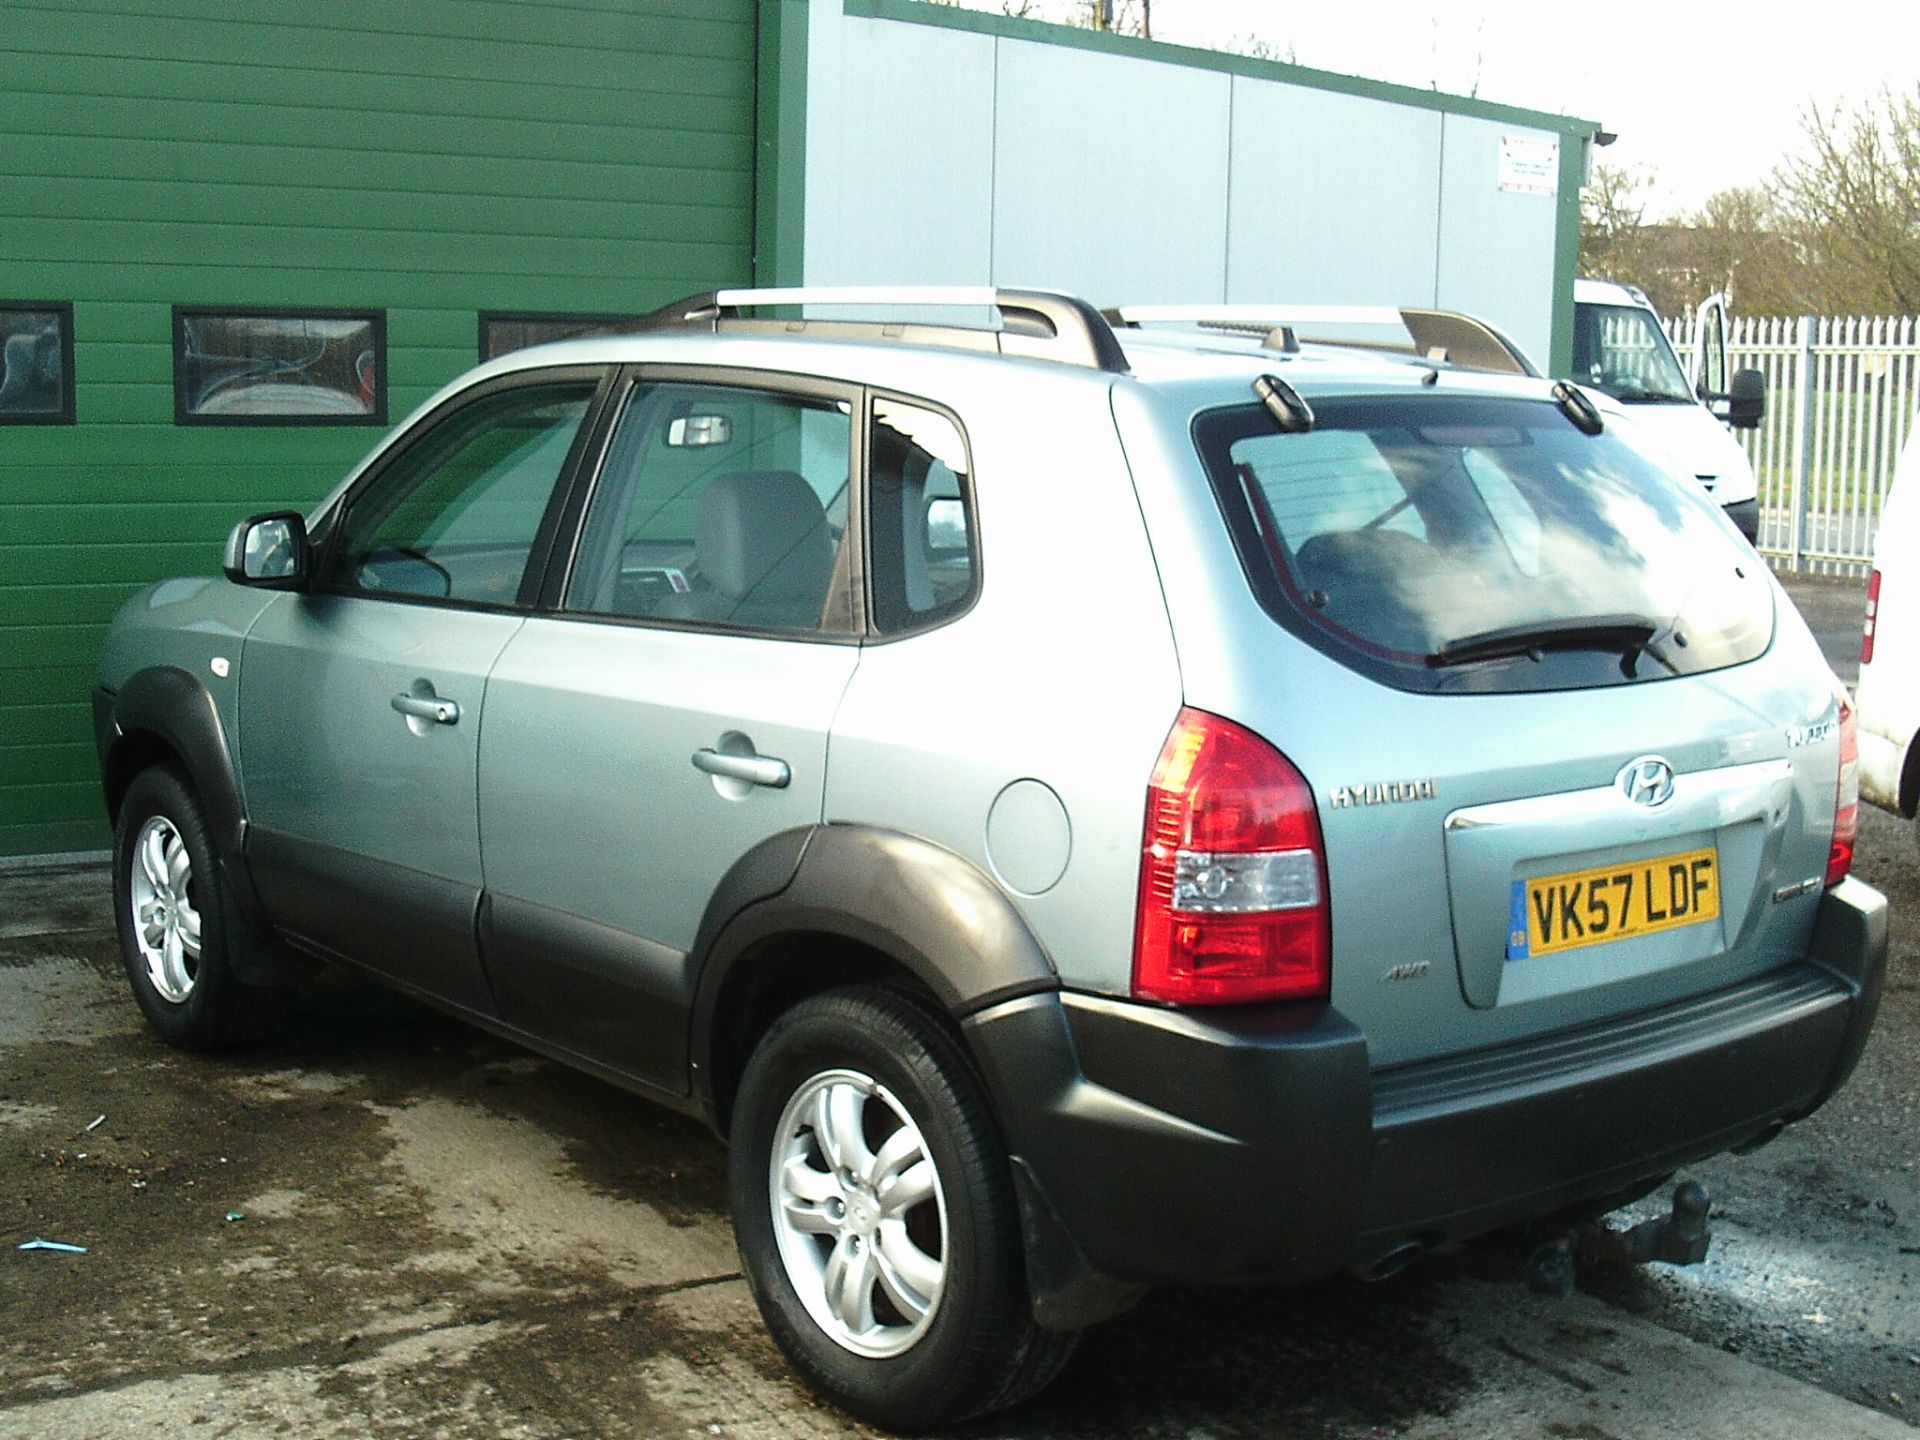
(168, 705)
(321, 898)
(923, 907)
(635, 1011)
(1291, 1156)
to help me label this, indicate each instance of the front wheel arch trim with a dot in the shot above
(174, 708)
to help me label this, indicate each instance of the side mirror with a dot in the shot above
(1746, 399)
(270, 551)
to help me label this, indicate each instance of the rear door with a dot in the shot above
(671, 713)
(360, 701)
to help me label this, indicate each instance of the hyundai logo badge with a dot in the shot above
(1647, 781)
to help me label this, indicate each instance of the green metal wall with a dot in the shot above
(431, 158)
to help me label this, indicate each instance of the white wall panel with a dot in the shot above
(899, 153)
(1335, 199)
(1496, 246)
(951, 155)
(1110, 175)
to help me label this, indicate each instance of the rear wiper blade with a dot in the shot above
(1613, 634)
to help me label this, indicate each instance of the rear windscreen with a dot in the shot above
(1460, 543)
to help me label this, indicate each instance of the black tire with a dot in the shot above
(979, 1349)
(209, 1007)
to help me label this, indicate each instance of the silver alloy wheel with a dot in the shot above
(862, 1229)
(166, 926)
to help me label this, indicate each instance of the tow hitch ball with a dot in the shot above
(1680, 1237)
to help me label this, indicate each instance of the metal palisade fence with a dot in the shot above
(1841, 392)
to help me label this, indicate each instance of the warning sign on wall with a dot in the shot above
(1529, 165)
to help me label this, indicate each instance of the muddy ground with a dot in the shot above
(388, 1224)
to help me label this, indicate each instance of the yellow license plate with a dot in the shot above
(1612, 902)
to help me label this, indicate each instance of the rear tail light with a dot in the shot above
(1873, 612)
(1233, 883)
(1846, 813)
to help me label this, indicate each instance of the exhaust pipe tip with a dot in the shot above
(1389, 1262)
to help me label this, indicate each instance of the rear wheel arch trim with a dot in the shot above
(929, 911)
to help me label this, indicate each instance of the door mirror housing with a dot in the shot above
(1746, 399)
(270, 551)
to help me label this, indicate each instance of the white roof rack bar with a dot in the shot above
(1268, 315)
(1444, 336)
(895, 295)
(1039, 324)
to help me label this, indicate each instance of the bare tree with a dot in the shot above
(1740, 242)
(1479, 53)
(1614, 239)
(1852, 202)
(1123, 17)
(1835, 231)
(1018, 9)
(1260, 48)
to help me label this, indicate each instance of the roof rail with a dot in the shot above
(1444, 336)
(1040, 324)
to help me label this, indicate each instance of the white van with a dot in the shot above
(1888, 693)
(1619, 346)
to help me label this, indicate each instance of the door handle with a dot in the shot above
(427, 707)
(754, 769)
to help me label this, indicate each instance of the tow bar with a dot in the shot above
(1679, 1237)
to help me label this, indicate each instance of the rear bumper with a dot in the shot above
(1258, 1144)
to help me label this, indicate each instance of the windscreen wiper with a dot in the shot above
(1611, 634)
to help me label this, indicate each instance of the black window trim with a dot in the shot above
(536, 317)
(377, 317)
(66, 415)
(875, 635)
(586, 479)
(540, 557)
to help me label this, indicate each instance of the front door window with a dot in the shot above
(455, 516)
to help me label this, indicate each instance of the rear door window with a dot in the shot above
(1467, 543)
(721, 505)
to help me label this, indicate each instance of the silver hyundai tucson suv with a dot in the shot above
(1074, 802)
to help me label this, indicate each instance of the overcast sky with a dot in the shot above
(1704, 95)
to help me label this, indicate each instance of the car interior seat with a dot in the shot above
(1380, 584)
(763, 553)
